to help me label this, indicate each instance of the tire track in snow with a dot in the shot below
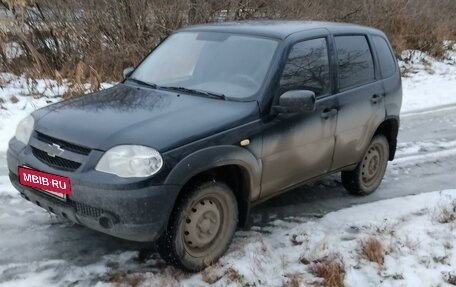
(424, 151)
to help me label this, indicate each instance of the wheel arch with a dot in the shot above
(390, 129)
(235, 166)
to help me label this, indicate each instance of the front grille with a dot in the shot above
(88, 210)
(55, 162)
(63, 144)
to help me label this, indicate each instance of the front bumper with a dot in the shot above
(125, 210)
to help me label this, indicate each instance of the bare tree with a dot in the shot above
(93, 40)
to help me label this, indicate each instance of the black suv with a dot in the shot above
(214, 120)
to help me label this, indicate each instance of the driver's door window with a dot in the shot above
(307, 68)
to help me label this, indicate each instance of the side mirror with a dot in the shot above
(297, 101)
(127, 72)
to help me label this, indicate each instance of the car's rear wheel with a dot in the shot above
(201, 227)
(369, 173)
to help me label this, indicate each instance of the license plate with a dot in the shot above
(52, 184)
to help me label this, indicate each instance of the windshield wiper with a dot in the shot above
(179, 89)
(195, 91)
(150, 85)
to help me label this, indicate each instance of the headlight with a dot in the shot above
(130, 161)
(24, 129)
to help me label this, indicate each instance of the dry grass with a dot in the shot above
(448, 245)
(123, 279)
(234, 276)
(446, 213)
(292, 280)
(449, 278)
(372, 250)
(212, 273)
(331, 269)
(411, 244)
(209, 278)
(106, 36)
(14, 99)
(305, 261)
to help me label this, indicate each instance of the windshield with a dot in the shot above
(226, 64)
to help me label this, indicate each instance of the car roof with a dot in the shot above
(279, 29)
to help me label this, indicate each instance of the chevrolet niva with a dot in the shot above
(216, 119)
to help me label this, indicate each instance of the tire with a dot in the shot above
(201, 227)
(368, 174)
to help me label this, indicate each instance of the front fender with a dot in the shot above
(217, 156)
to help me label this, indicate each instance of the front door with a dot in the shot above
(300, 146)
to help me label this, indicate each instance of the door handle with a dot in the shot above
(376, 99)
(328, 113)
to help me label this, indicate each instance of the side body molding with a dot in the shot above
(217, 156)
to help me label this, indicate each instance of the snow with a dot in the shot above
(428, 83)
(16, 102)
(13, 50)
(407, 227)
(433, 149)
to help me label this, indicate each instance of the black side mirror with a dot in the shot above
(297, 101)
(127, 72)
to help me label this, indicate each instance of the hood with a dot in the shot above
(127, 114)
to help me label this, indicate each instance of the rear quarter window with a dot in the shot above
(385, 57)
(354, 61)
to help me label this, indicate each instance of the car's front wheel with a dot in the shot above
(201, 227)
(369, 173)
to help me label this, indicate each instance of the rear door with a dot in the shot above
(360, 95)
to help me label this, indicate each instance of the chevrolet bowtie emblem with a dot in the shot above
(54, 150)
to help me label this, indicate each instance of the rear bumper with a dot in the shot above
(138, 213)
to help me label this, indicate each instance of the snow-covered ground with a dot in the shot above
(417, 234)
(428, 83)
(17, 101)
(414, 232)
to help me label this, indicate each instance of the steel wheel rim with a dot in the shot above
(372, 164)
(203, 225)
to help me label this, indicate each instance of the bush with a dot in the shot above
(93, 41)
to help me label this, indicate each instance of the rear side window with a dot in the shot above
(385, 57)
(354, 61)
(307, 68)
